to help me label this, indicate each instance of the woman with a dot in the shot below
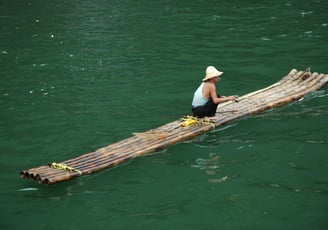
(206, 99)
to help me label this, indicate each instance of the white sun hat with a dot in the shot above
(211, 72)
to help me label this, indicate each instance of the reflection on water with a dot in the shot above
(213, 167)
(212, 163)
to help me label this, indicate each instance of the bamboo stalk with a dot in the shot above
(105, 164)
(287, 77)
(151, 145)
(86, 167)
(96, 153)
(284, 100)
(256, 109)
(105, 152)
(91, 168)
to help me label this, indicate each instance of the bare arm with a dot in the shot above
(222, 99)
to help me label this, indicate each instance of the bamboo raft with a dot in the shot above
(293, 86)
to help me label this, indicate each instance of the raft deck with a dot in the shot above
(292, 87)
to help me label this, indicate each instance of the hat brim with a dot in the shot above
(218, 74)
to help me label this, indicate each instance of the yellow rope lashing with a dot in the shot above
(190, 120)
(64, 167)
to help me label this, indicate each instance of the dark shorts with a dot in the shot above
(207, 110)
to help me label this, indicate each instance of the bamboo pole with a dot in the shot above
(85, 167)
(119, 159)
(286, 78)
(276, 102)
(254, 108)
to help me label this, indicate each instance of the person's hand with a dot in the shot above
(232, 98)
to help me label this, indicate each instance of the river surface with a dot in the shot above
(79, 75)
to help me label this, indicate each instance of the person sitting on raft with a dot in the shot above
(206, 100)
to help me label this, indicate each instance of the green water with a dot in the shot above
(79, 75)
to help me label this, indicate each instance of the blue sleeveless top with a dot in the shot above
(199, 99)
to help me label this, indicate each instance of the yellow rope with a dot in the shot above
(64, 167)
(190, 120)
